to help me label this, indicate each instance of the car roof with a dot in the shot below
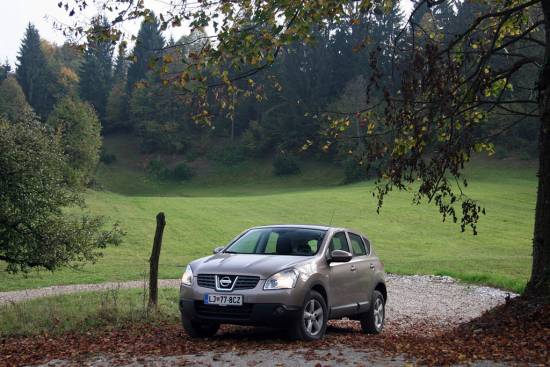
(307, 226)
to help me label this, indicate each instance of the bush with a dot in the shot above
(79, 128)
(162, 137)
(229, 155)
(157, 169)
(106, 157)
(284, 164)
(254, 141)
(181, 172)
(353, 171)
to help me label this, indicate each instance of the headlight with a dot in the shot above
(285, 279)
(187, 277)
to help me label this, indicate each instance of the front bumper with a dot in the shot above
(267, 308)
(262, 314)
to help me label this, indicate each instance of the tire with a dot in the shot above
(372, 322)
(311, 325)
(197, 329)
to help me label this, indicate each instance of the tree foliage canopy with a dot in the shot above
(35, 228)
(78, 127)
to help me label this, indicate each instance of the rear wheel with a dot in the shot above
(197, 329)
(312, 323)
(372, 322)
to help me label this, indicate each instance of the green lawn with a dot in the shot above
(85, 311)
(214, 207)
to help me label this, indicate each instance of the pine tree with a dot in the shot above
(149, 43)
(31, 72)
(5, 70)
(121, 64)
(96, 74)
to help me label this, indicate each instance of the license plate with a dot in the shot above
(223, 300)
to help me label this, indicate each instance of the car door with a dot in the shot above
(363, 275)
(341, 295)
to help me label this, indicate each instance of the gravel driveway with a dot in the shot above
(440, 301)
(434, 301)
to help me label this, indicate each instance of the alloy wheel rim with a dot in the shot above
(313, 317)
(378, 313)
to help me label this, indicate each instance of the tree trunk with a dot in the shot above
(539, 284)
(154, 261)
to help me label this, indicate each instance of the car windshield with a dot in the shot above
(278, 241)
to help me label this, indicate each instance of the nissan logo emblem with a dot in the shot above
(225, 282)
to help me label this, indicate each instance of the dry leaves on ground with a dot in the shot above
(517, 332)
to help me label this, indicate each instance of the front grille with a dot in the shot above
(243, 281)
(224, 312)
(246, 282)
(206, 280)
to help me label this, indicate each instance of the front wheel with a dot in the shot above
(312, 323)
(197, 329)
(372, 322)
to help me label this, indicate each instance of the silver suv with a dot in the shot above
(294, 276)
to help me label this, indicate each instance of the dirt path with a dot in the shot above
(56, 290)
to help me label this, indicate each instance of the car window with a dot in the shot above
(357, 246)
(339, 242)
(271, 246)
(278, 241)
(247, 243)
(367, 245)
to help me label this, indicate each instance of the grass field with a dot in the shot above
(85, 311)
(216, 205)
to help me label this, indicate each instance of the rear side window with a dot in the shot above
(339, 242)
(357, 245)
(367, 244)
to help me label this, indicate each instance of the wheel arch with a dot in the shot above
(381, 287)
(319, 288)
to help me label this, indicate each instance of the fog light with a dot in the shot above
(280, 310)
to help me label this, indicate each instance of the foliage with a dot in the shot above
(13, 105)
(32, 74)
(149, 44)
(227, 154)
(181, 172)
(353, 171)
(117, 108)
(254, 140)
(79, 128)
(34, 229)
(162, 137)
(96, 74)
(285, 164)
(63, 63)
(156, 168)
(106, 157)
(5, 70)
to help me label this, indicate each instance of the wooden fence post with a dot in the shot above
(154, 261)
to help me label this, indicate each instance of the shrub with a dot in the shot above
(106, 157)
(157, 169)
(181, 172)
(353, 171)
(284, 164)
(230, 155)
(78, 126)
(162, 137)
(254, 141)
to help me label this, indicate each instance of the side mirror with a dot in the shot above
(218, 250)
(339, 256)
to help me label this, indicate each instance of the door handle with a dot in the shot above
(371, 266)
(353, 268)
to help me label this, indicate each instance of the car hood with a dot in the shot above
(246, 264)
